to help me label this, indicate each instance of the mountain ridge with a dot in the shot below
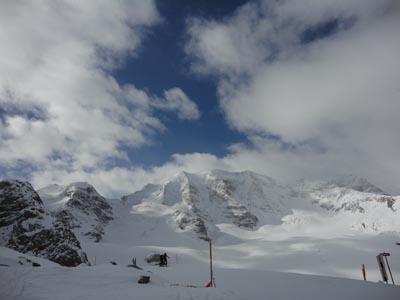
(81, 206)
(250, 200)
(206, 204)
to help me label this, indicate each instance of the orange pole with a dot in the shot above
(364, 272)
(211, 267)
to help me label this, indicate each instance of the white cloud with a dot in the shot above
(52, 56)
(227, 49)
(62, 111)
(176, 100)
(332, 103)
(117, 181)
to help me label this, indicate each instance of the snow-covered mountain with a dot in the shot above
(79, 205)
(27, 226)
(216, 204)
(367, 207)
(200, 201)
(257, 225)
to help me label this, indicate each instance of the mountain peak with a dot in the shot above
(351, 182)
(356, 183)
(80, 185)
(200, 201)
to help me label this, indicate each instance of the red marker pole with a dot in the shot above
(364, 273)
(211, 266)
(211, 282)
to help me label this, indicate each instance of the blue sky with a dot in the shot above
(161, 64)
(124, 93)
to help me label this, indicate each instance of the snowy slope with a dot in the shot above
(302, 235)
(308, 238)
(183, 279)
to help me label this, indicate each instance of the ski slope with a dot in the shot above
(182, 279)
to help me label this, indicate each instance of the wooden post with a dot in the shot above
(382, 267)
(390, 271)
(364, 272)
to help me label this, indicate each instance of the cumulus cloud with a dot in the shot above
(60, 109)
(313, 83)
(312, 103)
(54, 56)
(118, 181)
(176, 100)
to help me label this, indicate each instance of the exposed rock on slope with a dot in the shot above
(27, 227)
(80, 206)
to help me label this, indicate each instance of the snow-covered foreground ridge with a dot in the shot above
(258, 226)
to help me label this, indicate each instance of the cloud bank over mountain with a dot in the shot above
(314, 84)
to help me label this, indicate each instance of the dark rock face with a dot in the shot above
(27, 227)
(18, 201)
(58, 244)
(245, 219)
(85, 210)
(186, 220)
(86, 199)
(201, 229)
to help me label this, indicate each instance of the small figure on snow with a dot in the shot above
(134, 265)
(163, 259)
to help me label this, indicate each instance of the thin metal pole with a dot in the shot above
(211, 267)
(364, 272)
(390, 271)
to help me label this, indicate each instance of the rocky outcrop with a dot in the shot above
(26, 226)
(18, 202)
(191, 221)
(84, 197)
